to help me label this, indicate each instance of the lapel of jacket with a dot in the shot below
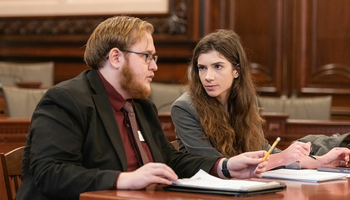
(147, 132)
(105, 111)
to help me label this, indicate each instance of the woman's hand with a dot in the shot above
(245, 165)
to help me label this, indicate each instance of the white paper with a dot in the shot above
(205, 181)
(308, 175)
(140, 136)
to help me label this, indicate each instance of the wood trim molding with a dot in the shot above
(80, 7)
(13, 131)
(314, 90)
(80, 27)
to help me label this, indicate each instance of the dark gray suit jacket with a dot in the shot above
(189, 132)
(74, 144)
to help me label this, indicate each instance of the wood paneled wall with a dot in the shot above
(62, 39)
(296, 48)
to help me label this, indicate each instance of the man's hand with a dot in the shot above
(245, 165)
(146, 175)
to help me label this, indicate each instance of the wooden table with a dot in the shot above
(331, 190)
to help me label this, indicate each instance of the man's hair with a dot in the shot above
(240, 129)
(121, 32)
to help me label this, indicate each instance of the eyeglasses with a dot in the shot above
(149, 57)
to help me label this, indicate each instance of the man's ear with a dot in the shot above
(116, 58)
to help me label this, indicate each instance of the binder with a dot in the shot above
(275, 189)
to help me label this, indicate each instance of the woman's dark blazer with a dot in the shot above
(74, 144)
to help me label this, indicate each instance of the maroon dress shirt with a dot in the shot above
(133, 157)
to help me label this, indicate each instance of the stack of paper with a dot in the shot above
(202, 182)
(308, 175)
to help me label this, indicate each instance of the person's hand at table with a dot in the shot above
(296, 152)
(338, 156)
(146, 175)
(245, 165)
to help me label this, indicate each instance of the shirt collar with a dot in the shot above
(115, 98)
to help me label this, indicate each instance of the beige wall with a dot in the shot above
(15, 8)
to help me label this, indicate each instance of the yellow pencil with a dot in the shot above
(272, 147)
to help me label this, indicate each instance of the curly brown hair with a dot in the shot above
(240, 128)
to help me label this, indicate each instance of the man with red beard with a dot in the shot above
(83, 137)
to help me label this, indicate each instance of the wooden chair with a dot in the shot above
(11, 171)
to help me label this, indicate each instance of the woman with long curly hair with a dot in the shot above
(219, 114)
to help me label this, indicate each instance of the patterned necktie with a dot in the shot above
(128, 108)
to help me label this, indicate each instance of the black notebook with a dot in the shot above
(204, 183)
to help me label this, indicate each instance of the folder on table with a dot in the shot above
(203, 182)
(335, 169)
